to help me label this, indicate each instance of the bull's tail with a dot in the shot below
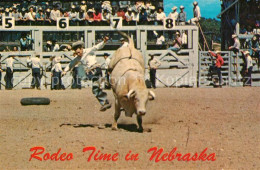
(130, 40)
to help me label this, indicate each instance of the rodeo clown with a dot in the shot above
(89, 69)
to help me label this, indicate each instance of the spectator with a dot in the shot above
(106, 17)
(176, 45)
(1, 13)
(25, 43)
(31, 14)
(48, 47)
(36, 65)
(73, 15)
(196, 13)
(81, 17)
(7, 13)
(48, 16)
(83, 6)
(153, 64)
(135, 16)
(218, 65)
(236, 45)
(255, 50)
(249, 68)
(15, 49)
(129, 17)
(55, 45)
(114, 14)
(40, 17)
(143, 17)
(107, 61)
(17, 16)
(121, 13)
(9, 72)
(160, 16)
(151, 15)
(184, 39)
(24, 16)
(174, 14)
(55, 13)
(0, 71)
(89, 17)
(160, 39)
(97, 16)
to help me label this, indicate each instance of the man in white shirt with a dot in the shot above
(31, 14)
(174, 14)
(249, 68)
(36, 65)
(153, 64)
(9, 72)
(160, 16)
(196, 13)
(55, 13)
(184, 39)
(90, 69)
(56, 74)
(107, 61)
(160, 39)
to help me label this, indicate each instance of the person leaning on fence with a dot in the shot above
(36, 65)
(153, 64)
(87, 59)
(236, 47)
(196, 14)
(9, 73)
(218, 64)
(255, 50)
(249, 68)
(182, 16)
(176, 45)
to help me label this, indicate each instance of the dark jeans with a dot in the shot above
(36, 81)
(219, 76)
(248, 77)
(9, 78)
(56, 81)
(108, 85)
(96, 76)
(152, 77)
(76, 82)
(213, 70)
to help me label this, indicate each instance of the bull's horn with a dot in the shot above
(151, 95)
(130, 93)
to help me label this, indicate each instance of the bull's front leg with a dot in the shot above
(116, 115)
(139, 121)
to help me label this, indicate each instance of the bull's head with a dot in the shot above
(140, 98)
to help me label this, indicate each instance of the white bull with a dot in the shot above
(128, 83)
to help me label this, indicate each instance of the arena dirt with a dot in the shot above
(226, 121)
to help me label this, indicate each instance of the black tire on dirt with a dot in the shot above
(35, 101)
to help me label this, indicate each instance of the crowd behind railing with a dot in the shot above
(94, 12)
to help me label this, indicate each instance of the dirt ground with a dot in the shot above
(226, 121)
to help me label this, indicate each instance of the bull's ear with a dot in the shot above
(151, 95)
(130, 94)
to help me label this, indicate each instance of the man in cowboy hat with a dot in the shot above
(90, 69)
(218, 64)
(249, 68)
(196, 14)
(36, 66)
(153, 64)
(174, 14)
(182, 16)
(177, 42)
(255, 50)
(235, 48)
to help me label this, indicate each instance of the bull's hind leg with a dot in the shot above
(139, 121)
(116, 115)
